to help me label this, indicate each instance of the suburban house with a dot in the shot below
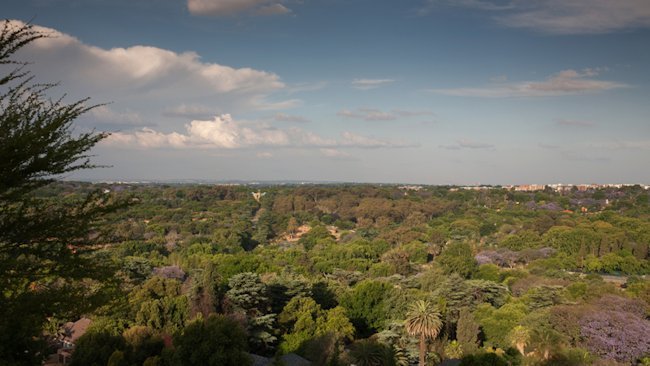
(71, 332)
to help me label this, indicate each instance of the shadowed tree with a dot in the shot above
(369, 353)
(46, 263)
(423, 321)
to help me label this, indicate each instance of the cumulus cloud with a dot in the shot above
(559, 16)
(468, 144)
(367, 84)
(144, 74)
(567, 82)
(223, 132)
(234, 7)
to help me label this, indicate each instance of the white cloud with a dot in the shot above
(189, 110)
(407, 113)
(559, 16)
(567, 82)
(430, 5)
(141, 75)
(468, 144)
(579, 16)
(371, 114)
(234, 7)
(307, 87)
(272, 9)
(146, 138)
(367, 84)
(104, 113)
(367, 114)
(225, 133)
(353, 140)
(283, 117)
(262, 103)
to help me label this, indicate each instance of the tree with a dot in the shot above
(215, 341)
(248, 293)
(423, 320)
(292, 226)
(96, 347)
(46, 265)
(306, 321)
(520, 337)
(369, 353)
(467, 331)
(206, 294)
(366, 305)
(458, 258)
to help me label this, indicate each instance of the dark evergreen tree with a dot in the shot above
(46, 262)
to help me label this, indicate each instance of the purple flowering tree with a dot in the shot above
(616, 334)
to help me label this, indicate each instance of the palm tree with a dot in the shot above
(423, 320)
(520, 337)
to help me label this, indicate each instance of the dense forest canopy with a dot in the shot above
(333, 273)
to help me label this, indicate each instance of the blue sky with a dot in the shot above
(421, 91)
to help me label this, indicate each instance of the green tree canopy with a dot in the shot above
(215, 341)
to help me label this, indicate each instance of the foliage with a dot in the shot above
(305, 321)
(366, 305)
(458, 258)
(467, 331)
(46, 268)
(497, 323)
(368, 353)
(423, 321)
(214, 341)
(95, 348)
(394, 250)
(618, 335)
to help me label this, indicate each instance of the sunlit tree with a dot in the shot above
(423, 321)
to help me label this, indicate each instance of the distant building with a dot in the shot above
(411, 188)
(530, 187)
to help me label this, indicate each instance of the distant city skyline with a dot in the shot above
(457, 92)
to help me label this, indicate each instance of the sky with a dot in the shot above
(401, 91)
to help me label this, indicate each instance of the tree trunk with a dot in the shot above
(423, 350)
